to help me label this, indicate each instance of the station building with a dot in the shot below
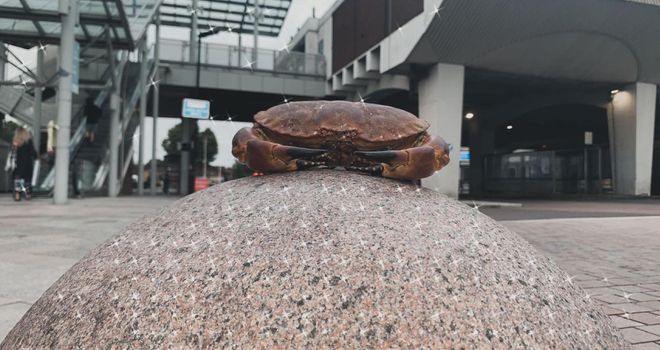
(537, 97)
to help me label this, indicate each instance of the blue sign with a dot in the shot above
(465, 156)
(196, 109)
(75, 69)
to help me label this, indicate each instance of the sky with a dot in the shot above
(299, 12)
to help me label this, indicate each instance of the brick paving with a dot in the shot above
(615, 259)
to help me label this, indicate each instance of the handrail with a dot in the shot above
(280, 61)
(103, 170)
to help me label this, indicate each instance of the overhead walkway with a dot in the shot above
(229, 67)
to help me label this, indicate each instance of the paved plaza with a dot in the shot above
(611, 248)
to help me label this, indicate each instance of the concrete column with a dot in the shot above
(36, 123)
(115, 111)
(441, 104)
(193, 33)
(631, 116)
(143, 114)
(154, 110)
(61, 190)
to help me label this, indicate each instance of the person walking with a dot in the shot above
(93, 114)
(23, 156)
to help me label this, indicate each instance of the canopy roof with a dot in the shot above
(610, 41)
(28, 23)
(234, 15)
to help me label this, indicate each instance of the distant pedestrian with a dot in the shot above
(93, 114)
(166, 181)
(21, 162)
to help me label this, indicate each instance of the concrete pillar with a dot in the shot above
(193, 32)
(36, 123)
(115, 111)
(61, 190)
(143, 114)
(154, 111)
(441, 104)
(631, 116)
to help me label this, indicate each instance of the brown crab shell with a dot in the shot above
(316, 123)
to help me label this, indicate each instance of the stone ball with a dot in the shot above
(325, 258)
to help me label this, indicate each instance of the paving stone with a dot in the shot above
(593, 283)
(646, 318)
(646, 346)
(644, 297)
(621, 322)
(632, 307)
(610, 299)
(601, 290)
(315, 259)
(10, 313)
(631, 288)
(610, 310)
(634, 335)
(651, 329)
(652, 305)
(620, 281)
(651, 286)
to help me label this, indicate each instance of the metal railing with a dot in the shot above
(211, 54)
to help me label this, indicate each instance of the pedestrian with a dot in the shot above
(166, 181)
(21, 162)
(93, 114)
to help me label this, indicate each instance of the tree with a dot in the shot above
(171, 144)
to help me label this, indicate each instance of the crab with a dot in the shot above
(375, 139)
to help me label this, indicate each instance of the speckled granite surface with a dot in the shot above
(315, 259)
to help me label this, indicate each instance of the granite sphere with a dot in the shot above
(315, 259)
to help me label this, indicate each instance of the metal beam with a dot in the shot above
(206, 18)
(124, 21)
(36, 23)
(50, 16)
(19, 39)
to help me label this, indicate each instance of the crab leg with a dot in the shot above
(411, 163)
(272, 157)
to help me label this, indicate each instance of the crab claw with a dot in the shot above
(272, 157)
(303, 153)
(379, 156)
